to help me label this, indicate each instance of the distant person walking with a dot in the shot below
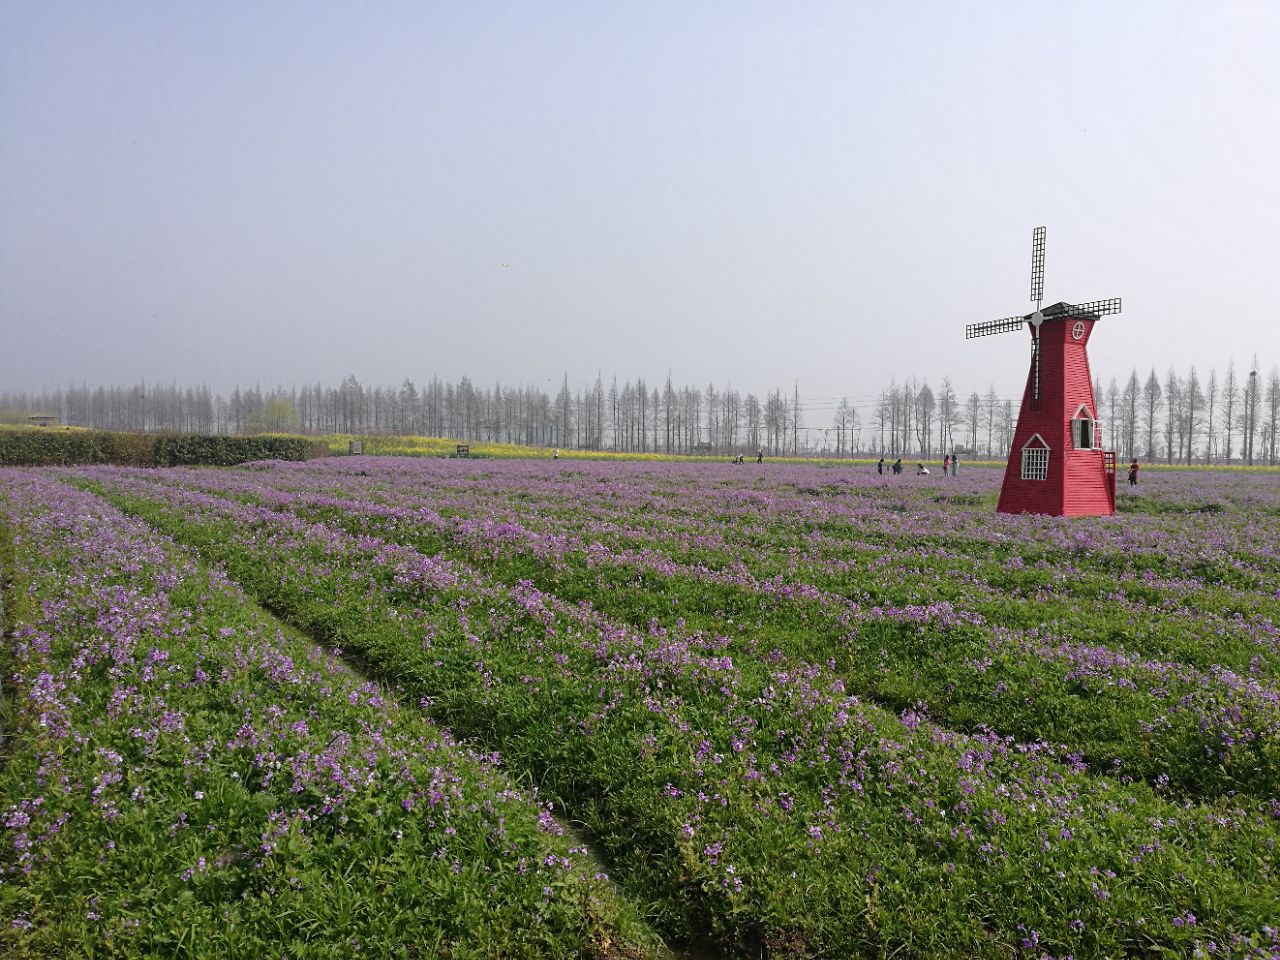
(946, 464)
(880, 466)
(1133, 474)
(759, 456)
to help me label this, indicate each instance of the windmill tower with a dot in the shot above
(1056, 464)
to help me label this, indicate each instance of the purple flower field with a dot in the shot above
(798, 711)
(186, 776)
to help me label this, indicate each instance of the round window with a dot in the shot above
(1077, 331)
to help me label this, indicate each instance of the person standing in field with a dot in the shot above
(955, 464)
(946, 464)
(1133, 473)
(759, 456)
(897, 466)
(555, 454)
(880, 466)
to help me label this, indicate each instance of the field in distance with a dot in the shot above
(793, 712)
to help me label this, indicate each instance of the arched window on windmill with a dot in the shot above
(1035, 459)
(1086, 432)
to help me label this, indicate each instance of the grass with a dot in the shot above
(189, 777)
(765, 698)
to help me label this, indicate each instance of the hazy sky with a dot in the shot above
(732, 192)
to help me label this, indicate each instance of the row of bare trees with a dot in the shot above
(1180, 418)
(629, 416)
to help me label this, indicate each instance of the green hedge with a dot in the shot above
(44, 448)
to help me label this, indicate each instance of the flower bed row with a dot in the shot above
(741, 790)
(1144, 692)
(187, 777)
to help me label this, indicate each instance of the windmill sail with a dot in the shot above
(1035, 369)
(1096, 308)
(1007, 325)
(1037, 265)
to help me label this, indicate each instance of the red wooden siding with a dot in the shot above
(1077, 482)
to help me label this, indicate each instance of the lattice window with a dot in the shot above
(1035, 463)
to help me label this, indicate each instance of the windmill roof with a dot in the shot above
(1061, 310)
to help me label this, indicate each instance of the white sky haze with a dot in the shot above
(733, 192)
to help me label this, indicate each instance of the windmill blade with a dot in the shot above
(1095, 308)
(1037, 265)
(1007, 325)
(1035, 369)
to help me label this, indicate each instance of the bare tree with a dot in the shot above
(1175, 406)
(1129, 400)
(795, 419)
(973, 407)
(1251, 410)
(1230, 390)
(1112, 435)
(1007, 424)
(564, 414)
(731, 418)
(1194, 399)
(775, 417)
(894, 397)
(1151, 397)
(884, 419)
(753, 422)
(1211, 432)
(906, 404)
(992, 411)
(1273, 414)
(653, 416)
(947, 412)
(841, 422)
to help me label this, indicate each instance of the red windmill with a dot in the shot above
(1056, 463)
